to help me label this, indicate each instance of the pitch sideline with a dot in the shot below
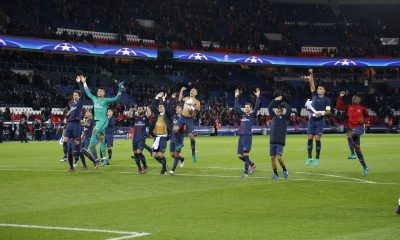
(129, 234)
(349, 179)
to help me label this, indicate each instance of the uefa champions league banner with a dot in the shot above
(122, 51)
(82, 48)
(285, 61)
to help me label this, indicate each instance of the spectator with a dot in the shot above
(23, 130)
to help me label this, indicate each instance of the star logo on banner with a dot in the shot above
(65, 47)
(198, 56)
(2, 43)
(345, 62)
(126, 52)
(253, 59)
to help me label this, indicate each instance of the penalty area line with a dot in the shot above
(128, 234)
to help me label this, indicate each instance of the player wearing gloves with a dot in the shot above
(100, 106)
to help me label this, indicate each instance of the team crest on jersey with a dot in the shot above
(140, 123)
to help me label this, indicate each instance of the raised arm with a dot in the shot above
(272, 105)
(339, 102)
(237, 104)
(153, 106)
(258, 102)
(288, 109)
(170, 107)
(271, 109)
(311, 80)
(366, 115)
(87, 90)
(121, 88)
(81, 88)
(148, 111)
(181, 94)
(113, 99)
(155, 102)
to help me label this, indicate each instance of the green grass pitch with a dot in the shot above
(204, 200)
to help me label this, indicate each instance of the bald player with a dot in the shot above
(190, 106)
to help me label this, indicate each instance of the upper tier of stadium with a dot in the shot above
(246, 26)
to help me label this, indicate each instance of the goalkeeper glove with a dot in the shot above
(121, 87)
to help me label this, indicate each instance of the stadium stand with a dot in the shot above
(45, 91)
(39, 85)
(304, 29)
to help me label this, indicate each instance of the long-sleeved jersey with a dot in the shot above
(76, 107)
(279, 123)
(246, 120)
(358, 114)
(100, 105)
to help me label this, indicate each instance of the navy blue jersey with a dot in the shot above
(110, 126)
(87, 131)
(75, 111)
(320, 104)
(246, 120)
(279, 123)
(75, 108)
(139, 127)
(181, 132)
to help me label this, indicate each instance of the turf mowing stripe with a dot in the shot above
(130, 234)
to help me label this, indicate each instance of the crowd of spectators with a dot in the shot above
(233, 25)
(216, 84)
(29, 90)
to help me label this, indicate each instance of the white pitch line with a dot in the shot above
(353, 180)
(335, 176)
(129, 234)
(291, 179)
(31, 170)
(320, 174)
(254, 177)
